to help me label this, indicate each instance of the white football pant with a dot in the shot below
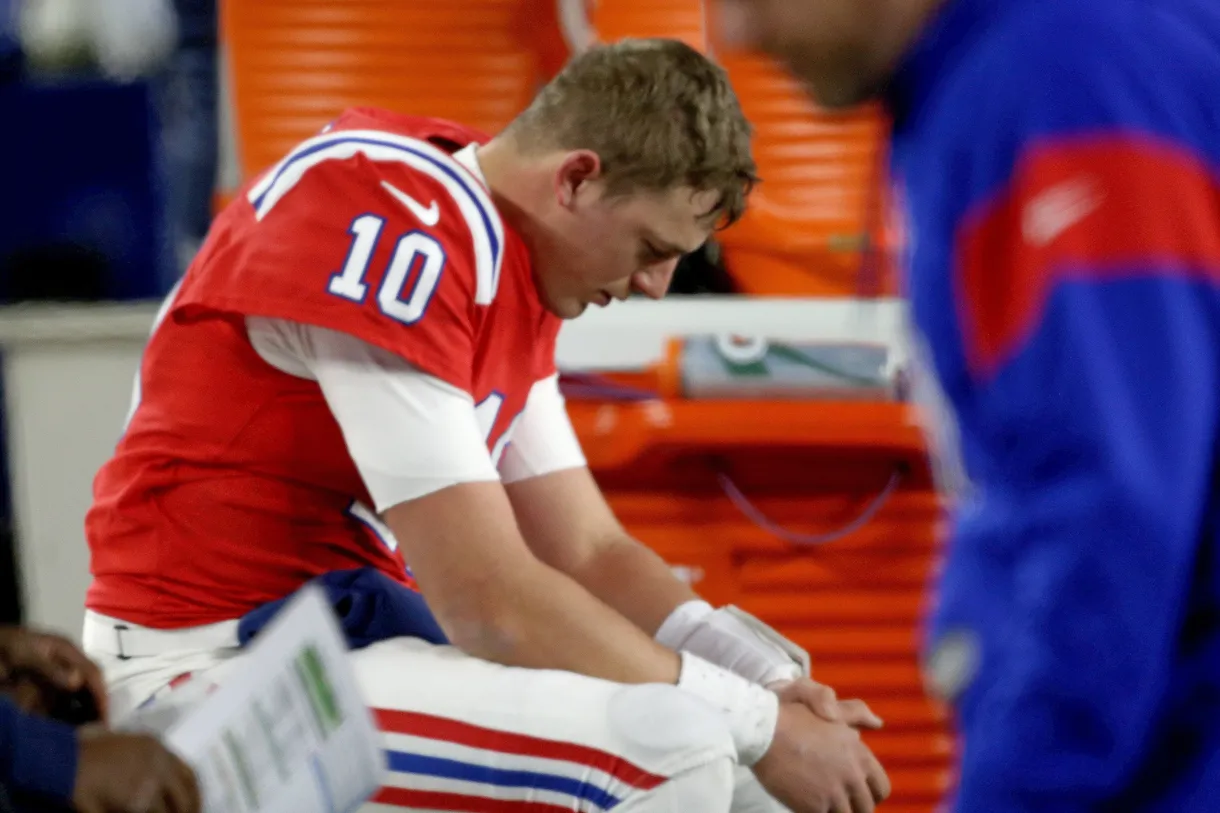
(465, 734)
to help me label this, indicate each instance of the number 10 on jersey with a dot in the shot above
(415, 252)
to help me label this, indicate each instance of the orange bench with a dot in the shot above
(813, 468)
(294, 64)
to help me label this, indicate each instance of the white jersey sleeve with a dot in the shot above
(409, 433)
(543, 439)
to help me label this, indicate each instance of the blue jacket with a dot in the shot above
(1059, 165)
(37, 759)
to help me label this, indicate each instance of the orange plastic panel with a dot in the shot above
(675, 19)
(614, 434)
(296, 63)
(553, 39)
(856, 603)
(815, 225)
(812, 222)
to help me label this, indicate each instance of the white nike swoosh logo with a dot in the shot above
(429, 216)
(1060, 208)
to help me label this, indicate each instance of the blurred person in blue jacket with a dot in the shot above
(1059, 167)
(55, 751)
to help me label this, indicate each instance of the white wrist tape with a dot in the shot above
(734, 639)
(750, 710)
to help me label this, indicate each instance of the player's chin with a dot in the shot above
(567, 308)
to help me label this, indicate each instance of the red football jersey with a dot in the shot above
(232, 485)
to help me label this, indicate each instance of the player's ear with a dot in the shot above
(577, 169)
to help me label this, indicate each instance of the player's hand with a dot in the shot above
(131, 773)
(36, 666)
(816, 766)
(822, 701)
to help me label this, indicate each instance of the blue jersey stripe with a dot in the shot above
(456, 175)
(402, 762)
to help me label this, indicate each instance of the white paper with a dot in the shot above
(287, 731)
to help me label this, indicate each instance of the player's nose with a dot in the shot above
(654, 282)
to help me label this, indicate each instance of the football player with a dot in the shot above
(335, 384)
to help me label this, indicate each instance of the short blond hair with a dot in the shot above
(657, 112)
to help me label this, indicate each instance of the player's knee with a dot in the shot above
(676, 727)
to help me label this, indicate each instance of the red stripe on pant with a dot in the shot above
(436, 800)
(506, 742)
